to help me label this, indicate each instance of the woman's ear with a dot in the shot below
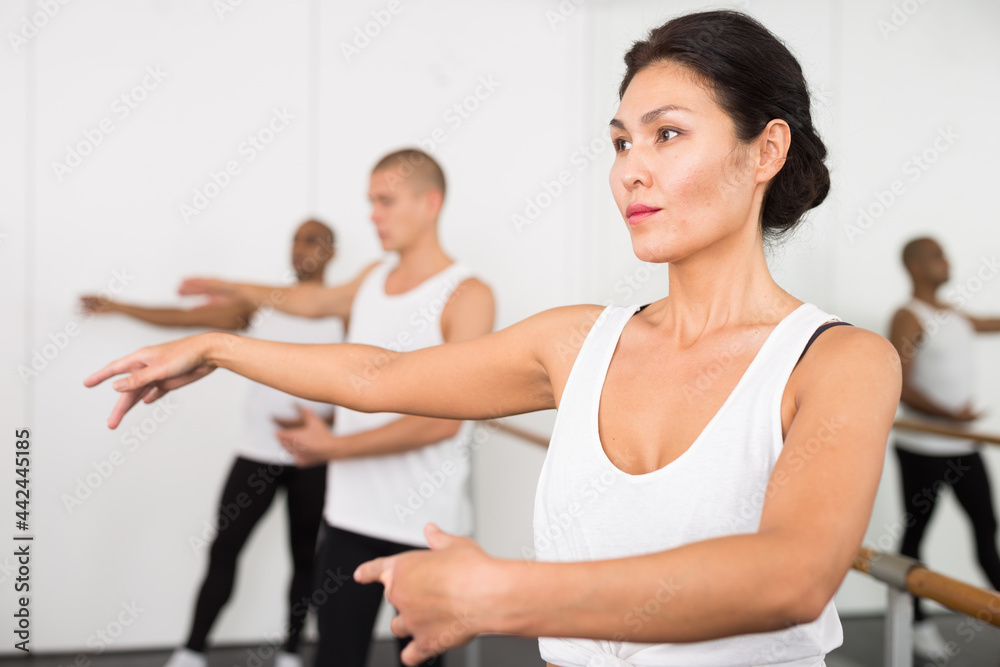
(772, 149)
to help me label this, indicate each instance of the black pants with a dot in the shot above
(923, 478)
(346, 617)
(248, 493)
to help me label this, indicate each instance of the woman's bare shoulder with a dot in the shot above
(568, 322)
(558, 333)
(852, 350)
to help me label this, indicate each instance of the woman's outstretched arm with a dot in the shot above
(503, 373)
(814, 515)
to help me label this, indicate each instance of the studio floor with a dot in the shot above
(975, 645)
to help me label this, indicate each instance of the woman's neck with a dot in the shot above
(721, 287)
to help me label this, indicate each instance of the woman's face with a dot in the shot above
(681, 179)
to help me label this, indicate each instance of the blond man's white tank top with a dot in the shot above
(391, 497)
(944, 370)
(263, 403)
(588, 509)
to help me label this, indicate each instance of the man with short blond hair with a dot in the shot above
(388, 474)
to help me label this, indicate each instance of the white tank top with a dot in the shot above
(264, 403)
(391, 497)
(588, 509)
(943, 370)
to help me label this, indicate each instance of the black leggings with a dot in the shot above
(248, 493)
(346, 617)
(923, 478)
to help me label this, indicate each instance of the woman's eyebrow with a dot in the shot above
(650, 116)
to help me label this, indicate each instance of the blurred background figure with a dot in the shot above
(262, 466)
(937, 348)
(417, 296)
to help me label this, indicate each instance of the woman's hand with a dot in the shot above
(441, 595)
(154, 371)
(310, 440)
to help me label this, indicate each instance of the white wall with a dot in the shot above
(879, 100)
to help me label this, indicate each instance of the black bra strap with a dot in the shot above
(821, 329)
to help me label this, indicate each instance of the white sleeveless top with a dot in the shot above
(588, 509)
(943, 370)
(264, 403)
(391, 497)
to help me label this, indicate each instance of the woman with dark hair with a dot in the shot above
(708, 482)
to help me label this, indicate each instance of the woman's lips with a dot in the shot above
(638, 212)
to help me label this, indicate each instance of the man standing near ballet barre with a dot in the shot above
(936, 344)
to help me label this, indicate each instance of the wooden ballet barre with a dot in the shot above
(931, 427)
(908, 574)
